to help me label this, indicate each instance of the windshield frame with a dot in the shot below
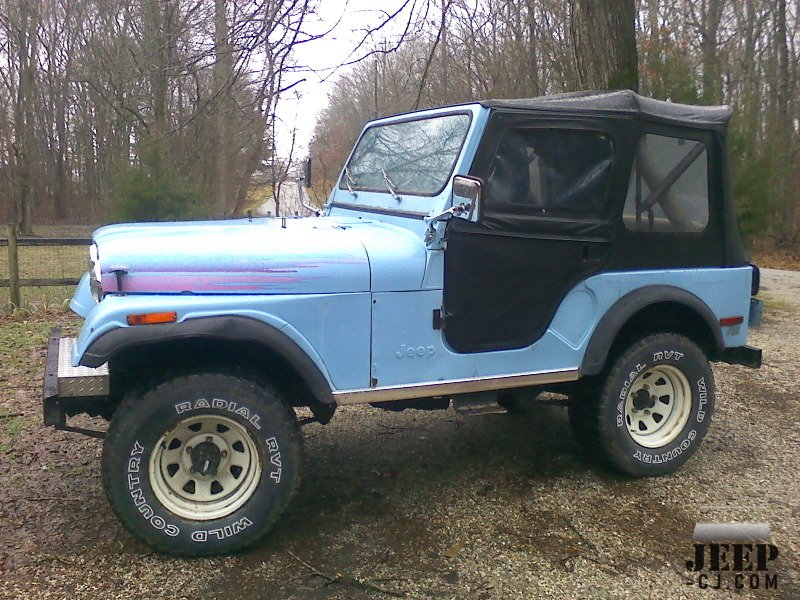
(342, 184)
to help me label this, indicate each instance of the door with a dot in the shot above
(545, 226)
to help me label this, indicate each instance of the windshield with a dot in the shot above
(412, 157)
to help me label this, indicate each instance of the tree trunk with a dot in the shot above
(247, 174)
(603, 36)
(222, 83)
(60, 191)
(533, 50)
(712, 14)
(156, 19)
(752, 83)
(783, 129)
(27, 41)
(783, 66)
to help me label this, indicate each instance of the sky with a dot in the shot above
(349, 20)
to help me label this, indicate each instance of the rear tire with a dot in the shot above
(201, 465)
(652, 410)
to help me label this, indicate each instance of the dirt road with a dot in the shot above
(428, 504)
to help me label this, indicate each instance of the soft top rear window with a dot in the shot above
(415, 157)
(668, 189)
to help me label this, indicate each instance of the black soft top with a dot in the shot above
(624, 103)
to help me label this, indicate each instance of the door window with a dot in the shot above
(542, 171)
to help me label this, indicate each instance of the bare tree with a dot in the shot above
(744, 52)
(183, 93)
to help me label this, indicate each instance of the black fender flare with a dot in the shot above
(626, 307)
(229, 328)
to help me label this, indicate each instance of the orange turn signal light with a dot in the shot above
(728, 321)
(153, 318)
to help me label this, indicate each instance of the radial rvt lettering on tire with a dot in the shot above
(653, 408)
(201, 465)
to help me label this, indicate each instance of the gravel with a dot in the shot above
(437, 505)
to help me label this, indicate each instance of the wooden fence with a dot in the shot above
(14, 282)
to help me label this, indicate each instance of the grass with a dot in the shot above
(9, 430)
(20, 336)
(14, 426)
(772, 303)
(23, 339)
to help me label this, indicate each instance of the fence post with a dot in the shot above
(13, 266)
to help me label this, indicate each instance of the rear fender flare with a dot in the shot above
(631, 303)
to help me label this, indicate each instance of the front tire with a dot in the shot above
(201, 465)
(652, 410)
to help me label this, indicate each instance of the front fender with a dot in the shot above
(228, 328)
(82, 301)
(106, 332)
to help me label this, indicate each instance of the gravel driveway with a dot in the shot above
(433, 504)
(783, 286)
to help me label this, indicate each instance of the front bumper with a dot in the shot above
(71, 390)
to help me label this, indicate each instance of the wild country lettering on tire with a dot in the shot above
(201, 535)
(702, 395)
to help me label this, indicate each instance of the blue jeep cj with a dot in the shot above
(584, 244)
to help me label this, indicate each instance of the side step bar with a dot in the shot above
(453, 387)
(479, 403)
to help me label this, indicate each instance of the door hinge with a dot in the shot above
(438, 318)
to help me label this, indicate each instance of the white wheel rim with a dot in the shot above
(657, 406)
(205, 467)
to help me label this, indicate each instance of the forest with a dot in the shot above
(140, 109)
(738, 52)
(154, 109)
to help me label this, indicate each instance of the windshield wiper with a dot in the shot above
(348, 179)
(390, 184)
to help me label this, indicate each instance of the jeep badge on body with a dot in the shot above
(582, 243)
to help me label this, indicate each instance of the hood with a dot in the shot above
(262, 256)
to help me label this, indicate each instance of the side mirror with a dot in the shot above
(465, 205)
(467, 193)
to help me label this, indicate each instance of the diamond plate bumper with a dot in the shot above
(79, 381)
(67, 389)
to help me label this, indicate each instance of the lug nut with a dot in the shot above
(224, 453)
(209, 439)
(188, 449)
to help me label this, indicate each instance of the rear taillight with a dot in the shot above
(731, 321)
